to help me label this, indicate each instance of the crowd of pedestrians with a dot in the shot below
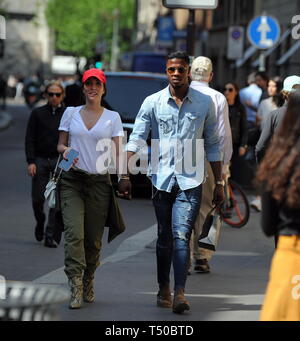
(233, 125)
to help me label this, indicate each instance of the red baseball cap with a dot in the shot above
(99, 74)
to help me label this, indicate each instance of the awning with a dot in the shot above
(289, 53)
(248, 53)
(270, 51)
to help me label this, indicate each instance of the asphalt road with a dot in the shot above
(126, 280)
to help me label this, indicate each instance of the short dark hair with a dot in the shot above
(263, 75)
(179, 55)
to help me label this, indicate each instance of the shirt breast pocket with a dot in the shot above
(192, 121)
(165, 124)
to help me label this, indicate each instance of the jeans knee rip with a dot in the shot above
(181, 235)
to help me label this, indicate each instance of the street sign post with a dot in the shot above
(235, 45)
(263, 32)
(191, 5)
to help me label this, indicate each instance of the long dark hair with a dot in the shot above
(280, 168)
(237, 100)
(278, 98)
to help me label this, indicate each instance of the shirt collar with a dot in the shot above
(189, 95)
(200, 83)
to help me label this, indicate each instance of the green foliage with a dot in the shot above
(78, 24)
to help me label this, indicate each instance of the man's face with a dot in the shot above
(54, 95)
(261, 82)
(177, 72)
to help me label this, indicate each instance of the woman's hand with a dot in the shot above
(31, 169)
(65, 155)
(242, 151)
(124, 189)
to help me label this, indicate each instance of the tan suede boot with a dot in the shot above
(88, 288)
(164, 298)
(180, 304)
(76, 287)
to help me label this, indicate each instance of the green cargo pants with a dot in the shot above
(85, 202)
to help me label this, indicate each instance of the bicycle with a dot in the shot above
(235, 210)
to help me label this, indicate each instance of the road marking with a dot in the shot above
(254, 297)
(128, 248)
(236, 253)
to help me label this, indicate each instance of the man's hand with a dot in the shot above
(242, 151)
(31, 169)
(124, 189)
(219, 195)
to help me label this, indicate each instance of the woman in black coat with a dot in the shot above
(238, 123)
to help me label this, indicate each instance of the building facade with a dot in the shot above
(212, 36)
(283, 60)
(28, 44)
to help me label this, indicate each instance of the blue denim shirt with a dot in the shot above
(176, 135)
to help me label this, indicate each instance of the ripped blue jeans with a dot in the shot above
(176, 213)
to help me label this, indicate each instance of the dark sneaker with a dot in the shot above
(50, 243)
(202, 266)
(39, 232)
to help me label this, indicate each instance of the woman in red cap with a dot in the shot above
(87, 198)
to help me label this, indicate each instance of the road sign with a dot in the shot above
(263, 32)
(191, 4)
(235, 46)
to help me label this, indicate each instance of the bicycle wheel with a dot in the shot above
(235, 210)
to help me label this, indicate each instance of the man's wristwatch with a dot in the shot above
(220, 182)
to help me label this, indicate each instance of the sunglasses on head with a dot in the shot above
(57, 94)
(228, 89)
(172, 69)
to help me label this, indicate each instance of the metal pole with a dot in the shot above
(191, 34)
(262, 61)
(114, 45)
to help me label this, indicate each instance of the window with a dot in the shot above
(233, 12)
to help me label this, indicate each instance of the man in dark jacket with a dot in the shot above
(41, 155)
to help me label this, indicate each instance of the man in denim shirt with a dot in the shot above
(183, 125)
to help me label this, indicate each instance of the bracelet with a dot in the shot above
(220, 182)
(124, 177)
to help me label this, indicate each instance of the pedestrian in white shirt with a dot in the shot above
(202, 74)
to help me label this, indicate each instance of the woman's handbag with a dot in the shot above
(50, 191)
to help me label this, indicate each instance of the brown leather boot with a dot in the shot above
(76, 286)
(88, 288)
(164, 298)
(180, 304)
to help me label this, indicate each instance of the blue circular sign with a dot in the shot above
(236, 34)
(263, 32)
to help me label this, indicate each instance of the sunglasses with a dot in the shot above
(57, 94)
(228, 89)
(172, 69)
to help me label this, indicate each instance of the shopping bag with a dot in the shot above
(208, 239)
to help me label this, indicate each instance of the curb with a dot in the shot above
(5, 120)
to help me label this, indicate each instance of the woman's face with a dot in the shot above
(230, 92)
(54, 95)
(93, 89)
(272, 88)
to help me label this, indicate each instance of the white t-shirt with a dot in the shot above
(93, 145)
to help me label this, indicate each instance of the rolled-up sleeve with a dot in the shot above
(141, 127)
(211, 136)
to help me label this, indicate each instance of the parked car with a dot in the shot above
(126, 92)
